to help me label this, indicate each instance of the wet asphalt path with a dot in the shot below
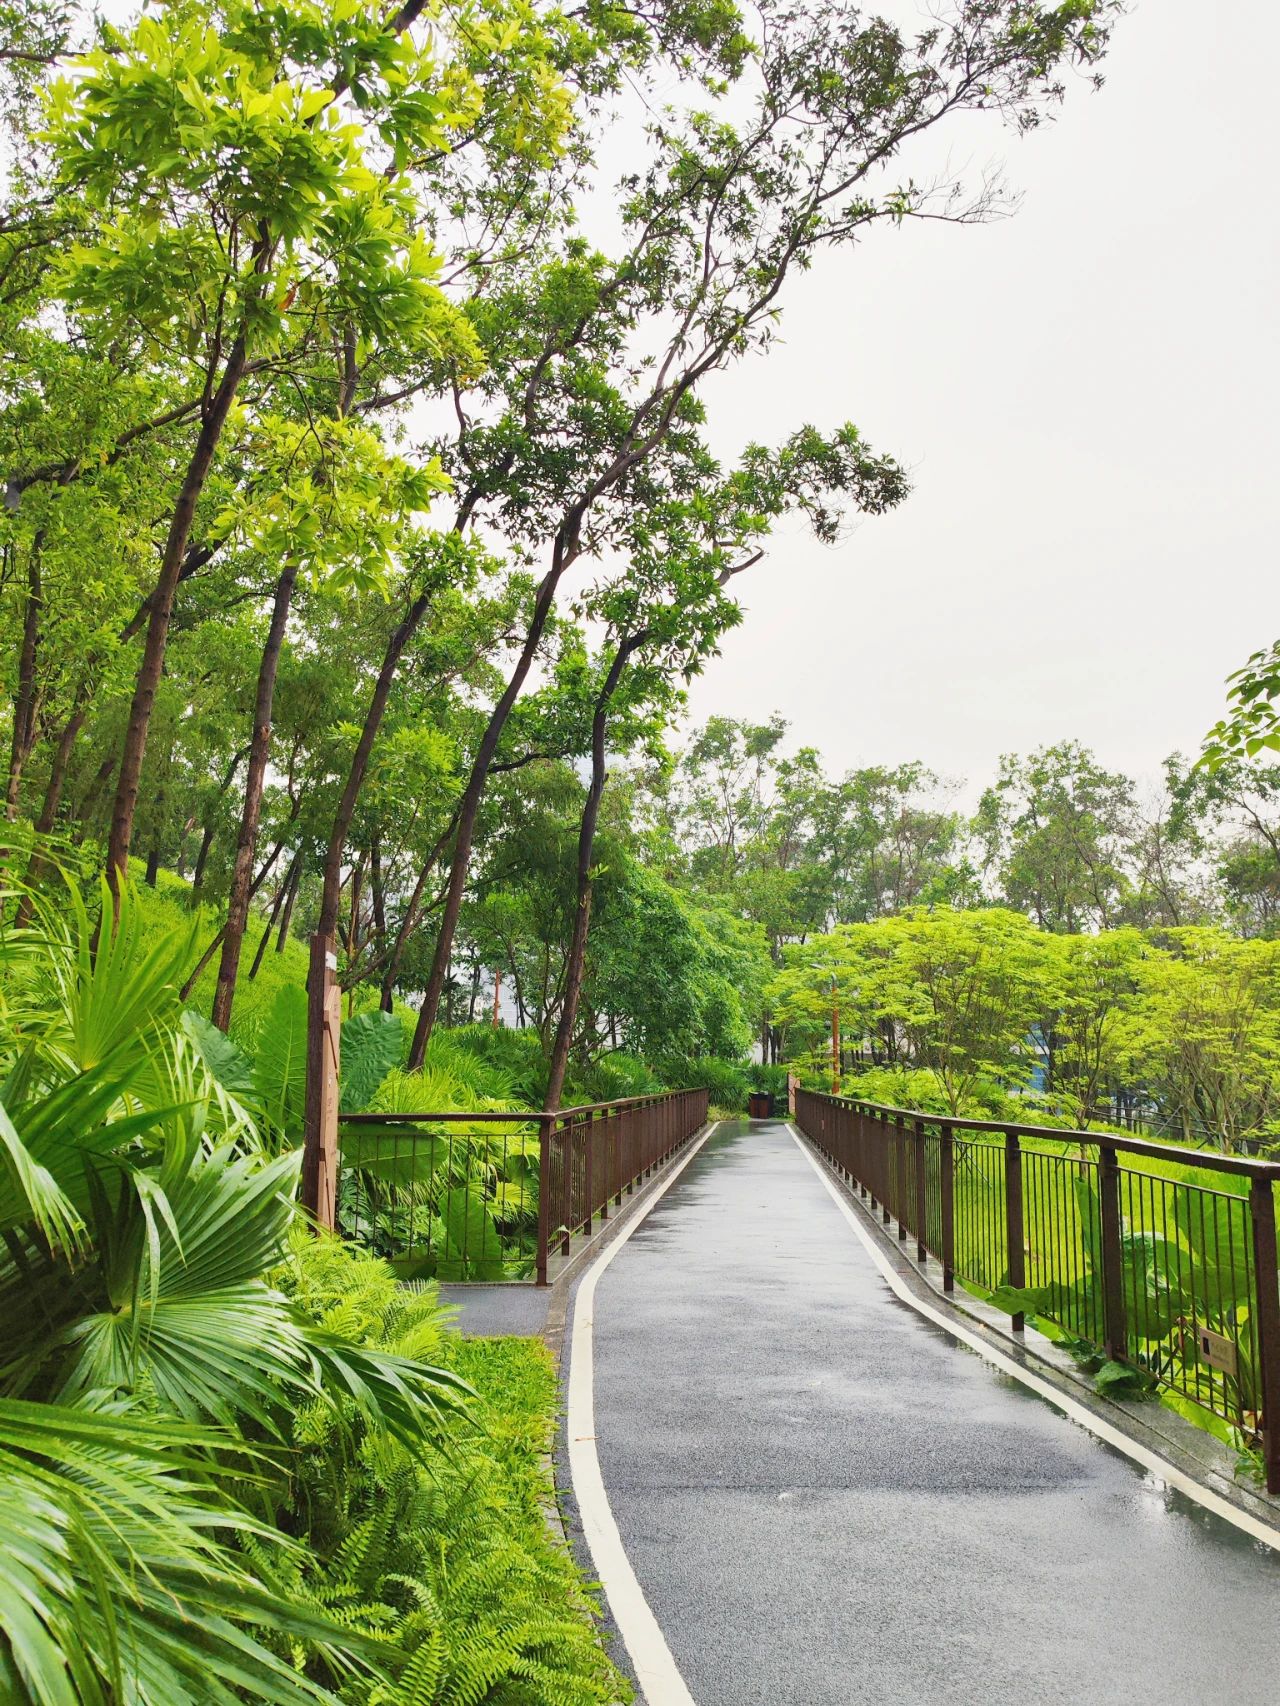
(827, 1500)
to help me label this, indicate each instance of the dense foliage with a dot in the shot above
(360, 510)
(235, 1462)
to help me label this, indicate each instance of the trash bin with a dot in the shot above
(759, 1105)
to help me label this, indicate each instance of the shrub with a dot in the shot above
(727, 1080)
(612, 1078)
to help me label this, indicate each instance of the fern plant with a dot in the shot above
(447, 1558)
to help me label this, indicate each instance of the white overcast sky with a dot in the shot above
(1086, 395)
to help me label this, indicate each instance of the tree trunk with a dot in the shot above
(210, 829)
(277, 907)
(251, 812)
(24, 704)
(38, 863)
(377, 897)
(412, 913)
(469, 805)
(58, 771)
(287, 916)
(154, 646)
(577, 960)
(331, 876)
(216, 943)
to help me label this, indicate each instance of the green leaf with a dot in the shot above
(280, 1061)
(372, 1045)
(228, 1063)
(474, 1249)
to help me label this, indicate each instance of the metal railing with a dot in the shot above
(1165, 1262)
(472, 1196)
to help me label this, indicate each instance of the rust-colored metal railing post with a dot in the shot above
(568, 1143)
(1014, 1239)
(1263, 1214)
(588, 1169)
(871, 1150)
(922, 1203)
(320, 1160)
(947, 1171)
(545, 1122)
(1115, 1335)
(624, 1128)
(884, 1163)
(900, 1152)
(610, 1135)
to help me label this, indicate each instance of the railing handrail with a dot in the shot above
(1122, 1259)
(493, 1116)
(586, 1155)
(1209, 1159)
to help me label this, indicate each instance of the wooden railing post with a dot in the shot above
(1115, 1335)
(1014, 1240)
(320, 1117)
(1263, 1211)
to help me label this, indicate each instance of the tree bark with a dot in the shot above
(289, 899)
(161, 612)
(38, 864)
(331, 875)
(216, 943)
(277, 906)
(24, 704)
(210, 829)
(412, 913)
(251, 812)
(469, 805)
(577, 960)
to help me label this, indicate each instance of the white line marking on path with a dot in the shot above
(650, 1656)
(1151, 1460)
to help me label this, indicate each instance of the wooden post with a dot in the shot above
(324, 1026)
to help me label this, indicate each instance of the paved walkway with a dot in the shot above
(826, 1500)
